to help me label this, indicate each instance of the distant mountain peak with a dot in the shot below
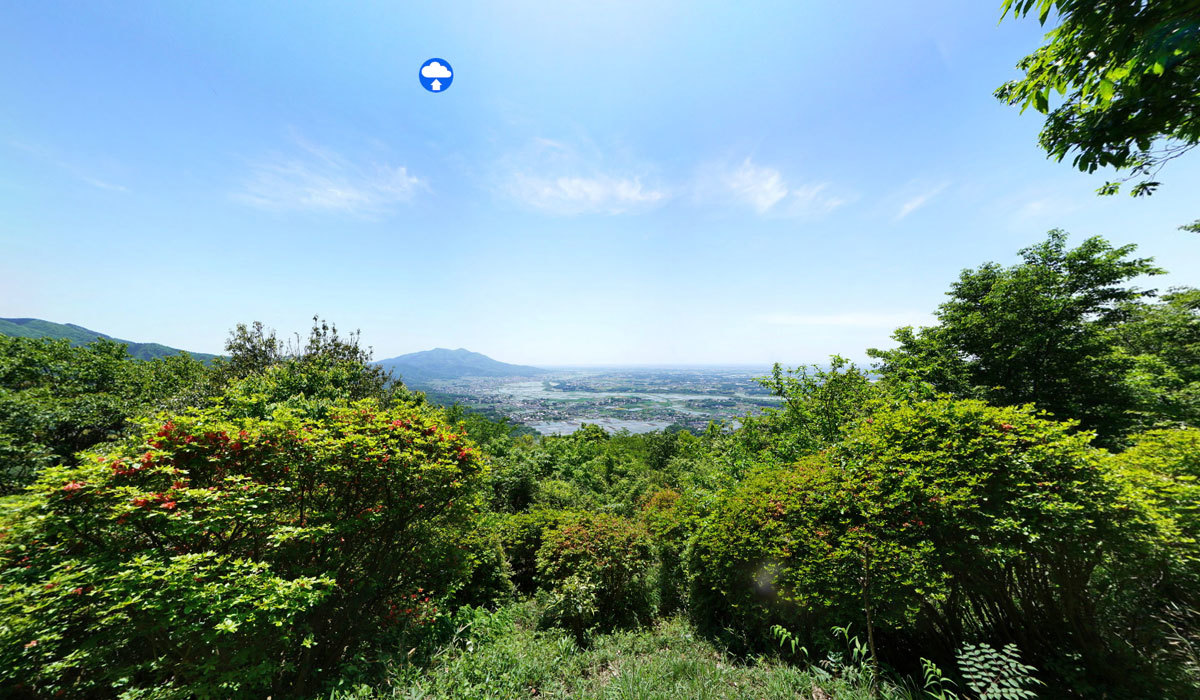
(444, 363)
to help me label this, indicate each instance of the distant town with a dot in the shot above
(635, 399)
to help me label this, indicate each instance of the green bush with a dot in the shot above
(1156, 601)
(491, 577)
(513, 481)
(262, 373)
(56, 400)
(1163, 466)
(943, 521)
(521, 535)
(224, 557)
(557, 494)
(598, 569)
(791, 547)
(671, 518)
(818, 404)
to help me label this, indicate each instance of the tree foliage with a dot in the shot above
(1040, 332)
(1128, 74)
(937, 522)
(295, 516)
(222, 556)
(56, 399)
(1163, 468)
(597, 568)
(322, 369)
(1164, 339)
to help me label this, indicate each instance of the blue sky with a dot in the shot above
(603, 183)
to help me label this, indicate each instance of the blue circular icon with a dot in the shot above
(436, 75)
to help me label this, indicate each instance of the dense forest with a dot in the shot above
(1002, 506)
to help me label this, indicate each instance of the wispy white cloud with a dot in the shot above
(567, 195)
(1043, 204)
(851, 319)
(761, 188)
(96, 182)
(74, 169)
(564, 179)
(1046, 208)
(315, 178)
(814, 200)
(767, 190)
(920, 200)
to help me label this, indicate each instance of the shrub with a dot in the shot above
(557, 494)
(943, 521)
(791, 547)
(521, 535)
(263, 373)
(220, 557)
(56, 400)
(817, 406)
(1149, 602)
(513, 481)
(671, 518)
(598, 570)
(491, 577)
(1163, 466)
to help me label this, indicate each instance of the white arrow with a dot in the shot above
(437, 85)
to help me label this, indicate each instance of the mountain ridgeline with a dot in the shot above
(419, 368)
(78, 335)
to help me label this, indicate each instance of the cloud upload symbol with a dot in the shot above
(436, 75)
(435, 70)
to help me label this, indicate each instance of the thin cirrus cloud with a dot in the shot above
(920, 200)
(1046, 208)
(768, 191)
(566, 179)
(556, 178)
(73, 169)
(315, 178)
(599, 194)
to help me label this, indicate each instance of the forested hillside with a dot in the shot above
(78, 335)
(1003, 505)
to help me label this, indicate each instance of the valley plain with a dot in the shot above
(637, 399)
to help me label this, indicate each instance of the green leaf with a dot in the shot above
(1044, 10)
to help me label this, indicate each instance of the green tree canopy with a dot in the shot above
(262, 372)
(57, 399)
(1165, 339)
(1039, 332)
(818, 403)
(1128, 72)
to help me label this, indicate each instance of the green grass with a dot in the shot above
(504, 655)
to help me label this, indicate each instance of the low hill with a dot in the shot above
(440, 363)
(78, 335)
